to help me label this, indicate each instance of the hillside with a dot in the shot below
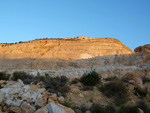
(67, 49)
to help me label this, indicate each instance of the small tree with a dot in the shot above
(90, 79)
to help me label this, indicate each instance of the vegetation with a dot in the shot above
(111, 78)
(4, 76)
(140, 92)
(129, 109)
(52, 84)
(145, 79)
(90, 79)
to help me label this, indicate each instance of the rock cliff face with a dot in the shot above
(141, 48)
(67, 49)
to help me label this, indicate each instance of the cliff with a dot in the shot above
(67, 49)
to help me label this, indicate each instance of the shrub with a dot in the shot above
(114, 89)
(120, 101)
(90, 79)
(74, 81)
(142, 105)
(140, 92)
(97, 108)
(56, 85)
(85, 88)
(129, 109)
(111, 78)
(26, 78)
(4, 76)
(110, 109)
(145, 79)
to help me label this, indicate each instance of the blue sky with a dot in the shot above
(126, 20)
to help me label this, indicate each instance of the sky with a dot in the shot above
(125, 20)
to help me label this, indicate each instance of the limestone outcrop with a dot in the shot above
(142, 48)
(67, 49)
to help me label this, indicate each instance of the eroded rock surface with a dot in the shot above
(68, 48)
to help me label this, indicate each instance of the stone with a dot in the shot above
(34, 96)
(53, 108)
(88, 112)
(41, 90)
(45, 95)
(61, 99)
(26, 88)
(41, 102)
(27, 108)
(9, 102)
(50, 100)
(5, 108)
(81, 95)
(42, 110)
(13, 91)
(53, 97)
(21, 83)
(5, 90)
(15, 109)
(16, 103)
(67, 110)
(75, 90)
(34, 88)
(140, 110)
(26, 96)
(2, 96)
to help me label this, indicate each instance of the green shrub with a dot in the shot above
(90, 79)
(46, 75)
(26, 78)
(110, 109)
(114, 88)
(4, 76)
(111, 78)
(142, 105)
(97, 108)
(74, 81)
(56, 85)
(140, 92)
(120, 101)
(129, 109)
(145, 79)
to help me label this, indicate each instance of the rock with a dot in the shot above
(53, 97)
(67, 110)
(53, 108)
(81, 95)
(81, 47)
(79, 84)
(50, 100)
(15, 109)
(13, 91)
(88, 112)
(21, 83)
(61, 99)
(5, 108)
(26, 88)
(9, 102)
(34, 88)
(34, 96)
(45, 95)
(2, 96)
(42, 110)
(16, 103)
(75, 90)
(140, 110)
(26, 96)
(27, 108)
(5, 90)
(40, 85)
(41, 90)
(40, 102)
(142, 48)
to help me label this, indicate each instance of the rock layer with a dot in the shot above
(67, 49)
(142, 48)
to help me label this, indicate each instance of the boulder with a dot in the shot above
(27, 108)
(42, 110)
(15, 109)
(53, 108)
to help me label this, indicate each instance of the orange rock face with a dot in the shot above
(67, 49)
(141, 48)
